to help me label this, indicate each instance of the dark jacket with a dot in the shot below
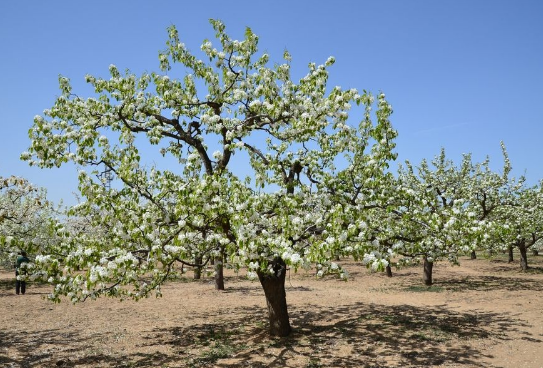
(20, 261)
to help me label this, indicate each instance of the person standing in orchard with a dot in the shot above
(22, 260)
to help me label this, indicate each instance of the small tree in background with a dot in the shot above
(487, 195)
(519, 220)
(27, 219)
(426, 217)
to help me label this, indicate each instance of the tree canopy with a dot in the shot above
(294, 140)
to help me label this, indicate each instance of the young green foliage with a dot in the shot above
(229, 110)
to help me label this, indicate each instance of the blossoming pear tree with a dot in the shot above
(519, 219)
(426, 217)
(254, 162)
(487, 193)
(27, 218)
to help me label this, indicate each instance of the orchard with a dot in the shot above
(264, 173)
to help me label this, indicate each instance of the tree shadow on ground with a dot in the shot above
(55, 348)
(257, 289)
(7, 289)
(7, 284)
(534, 270)
(514, 269)
(36, 349)
(477, 283)
(369, 335)
(352, 335)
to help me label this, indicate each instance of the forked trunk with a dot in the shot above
(198, 267)
(389, 271)
(510, 250)
(473, 255)
(523, 256)
(219, 275)
(428, 266)
(274, 289)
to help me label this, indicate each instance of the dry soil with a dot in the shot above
(484, 313)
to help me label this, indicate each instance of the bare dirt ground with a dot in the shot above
(485, 313)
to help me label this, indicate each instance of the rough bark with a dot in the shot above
(274, 289)
(198, 267)
(523, 256)
(219, 275)
(473, 255)
(427, 276)
(510, 250)
(389, 271)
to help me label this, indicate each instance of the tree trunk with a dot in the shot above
(535, 252)
(523, 256)
(473, 255)
(389, 271)
(510, 249)
(219, 275)
(198, 267)
(274, 289)
(428, 266)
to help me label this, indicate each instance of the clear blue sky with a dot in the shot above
(460, 74)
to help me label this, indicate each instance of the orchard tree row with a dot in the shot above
(260, 171)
